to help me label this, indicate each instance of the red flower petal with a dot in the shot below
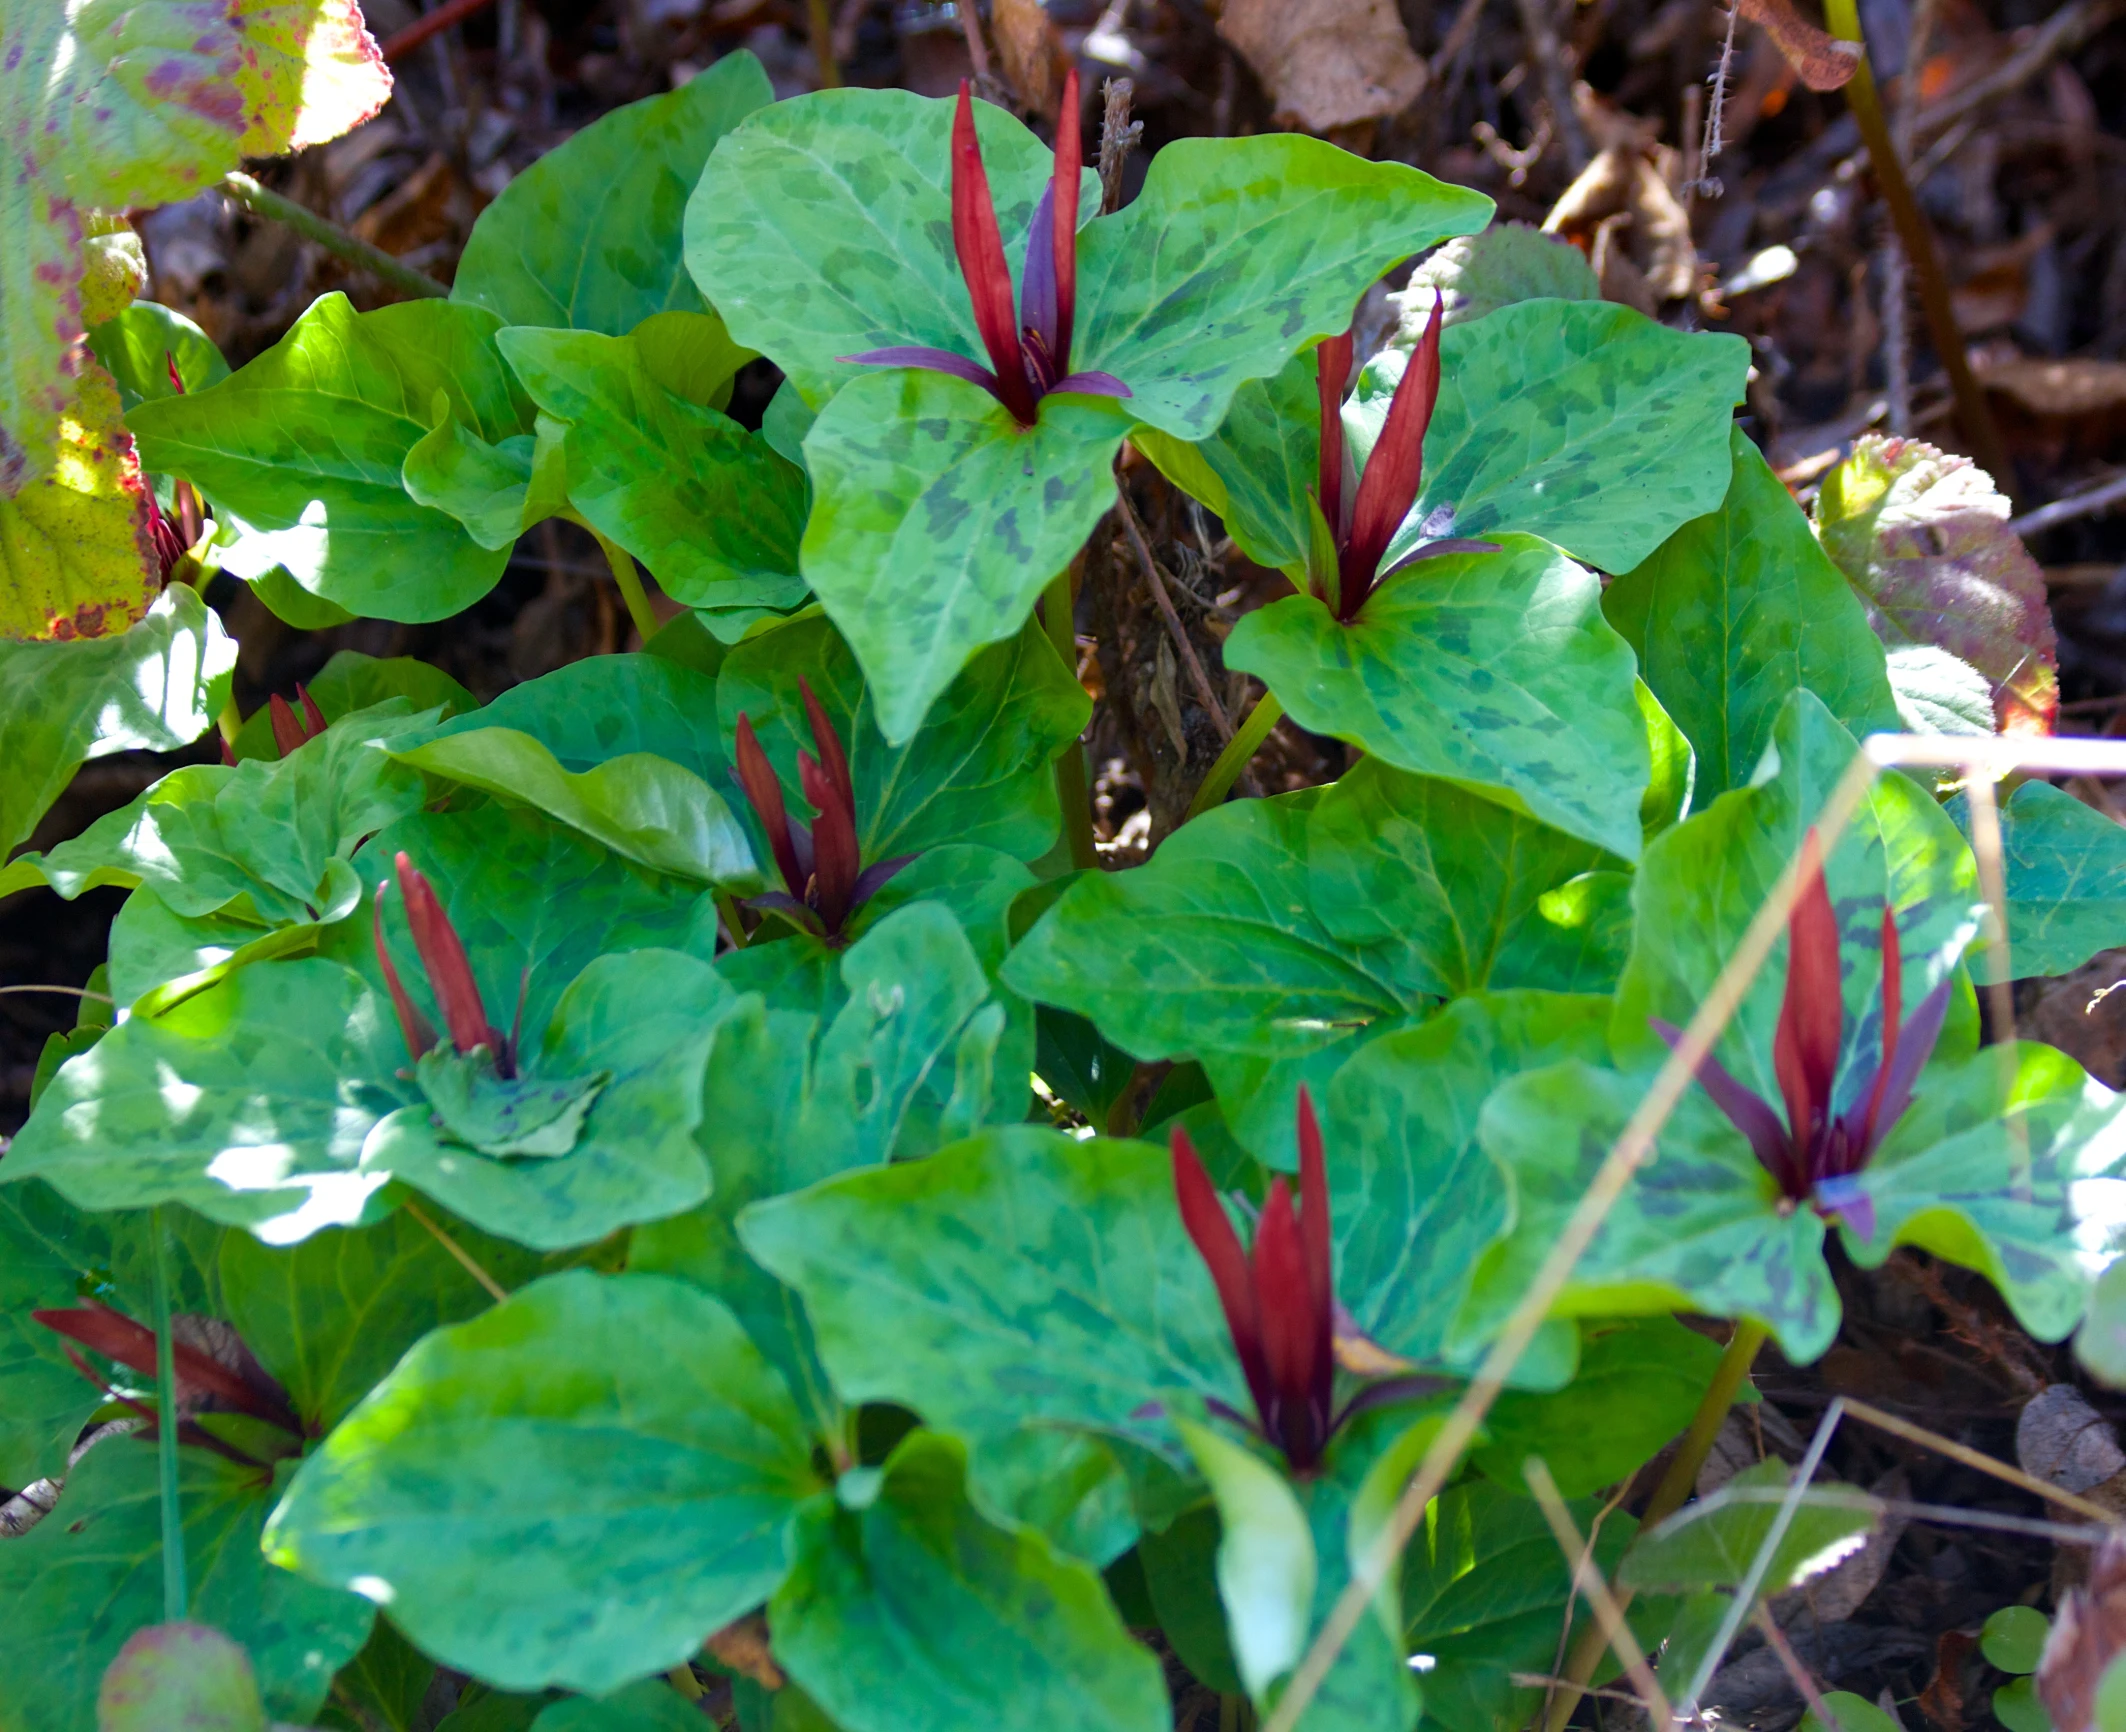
(1388, 488)
(757, 776)
(287, 731)
(419, 1032)
(980, 246)
(1219, 1246)
(1332, 366)
(450, 975)
(1070, 160)
(1812, 1015)
(835, 865)
(1289, 1344)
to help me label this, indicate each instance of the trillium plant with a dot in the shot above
(919, 1254)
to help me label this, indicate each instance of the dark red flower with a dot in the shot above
(1363, 522)
(1029, 353)
(1816, 1153)
(289, 730)
(1280, 1306)
(173, 539)
(450, 976)
(823, 875)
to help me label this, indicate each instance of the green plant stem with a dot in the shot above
(334, 239)
(1669, 1496)
(1072, 793)
(1974, 416)
(727, 906)
(1238, 750)
(631, 590)
(173, 1527)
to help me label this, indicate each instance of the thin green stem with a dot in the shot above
(1238, 750)
(1676, 1486)
(1974, 415)
(1072, 791)
(334, 239)
(631, 590)
(173, 1527)
(733, 920)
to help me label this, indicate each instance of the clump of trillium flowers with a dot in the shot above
(1280, 1302)
(1028, 344)
(1816, 1153)
(1362, 520)
(824, 878)
(450, 978)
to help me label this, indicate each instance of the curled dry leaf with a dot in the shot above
(2087, 1635)
(1327, 63)
(1923, 536)
(1822, 61)
(1622, 214)
(1031, 52)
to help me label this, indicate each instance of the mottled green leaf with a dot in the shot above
(1580, 421)
(572, 1488)
(271, 837)
(1639, 1381)
(496, 491)
(1735, 610)
(710, 508)
(152, 688)
(979, 770)
(792, 1098)
(588, 236)
(1237, 253)
(302, 451)
(2065, 868)
(650, 1706)
(1496, 671)
(332, 1315)
(1019, 1277)
(820, 227)
(1505, 264)
(937, 520)
(81, 1582)
(604, 707)
(643, 807)
(1414, 1202)
(904, 1605)
(45, 1250)
(1715, 1542)
(139, 345)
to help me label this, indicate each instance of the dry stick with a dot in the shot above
(1541, 33)
(1973, 413)
(1202, 681)
(70, 991)
(1631, 1150)
(334, 239)
(977, 48)
(2087, 503)
(2060, 34)
(1979, 1460)
(458, 1251)
(1675, 1486)
(1775, 1639)
(1118, 137)
(1587, 1577)
(1767, 1549)
(819, 18)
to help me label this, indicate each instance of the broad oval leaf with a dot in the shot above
(1266, 1563)
(302, 449)
(903, 1604)
(2064, 864)
(1735, 610)
(937, 520)
(1715, 1542)
(613, 1463)
(1492, 670)
(588, 237)
(1580, 421)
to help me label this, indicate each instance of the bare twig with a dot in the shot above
(2088, 503)
(1978, 1459)
(2062, 33)
(463, 1256)
(1197, 677)
(977, 48)
(1775, 1639)
(69, 991)
(1715, 140)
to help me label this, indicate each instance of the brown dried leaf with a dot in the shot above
(1923, 536)
(2077, 386)
(1824, 62)
(1327, 63)
(743, 1646)
(2087, 1635)
(1031, 52)
(1652, 238)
